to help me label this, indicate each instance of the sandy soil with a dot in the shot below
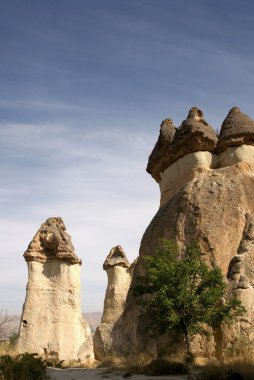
(100, 374)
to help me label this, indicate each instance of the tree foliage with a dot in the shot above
(184, 293)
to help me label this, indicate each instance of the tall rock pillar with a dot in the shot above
(119, 273)
(206, 185)
(51, 323)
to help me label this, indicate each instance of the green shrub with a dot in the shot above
(22, 367)
(184, 294)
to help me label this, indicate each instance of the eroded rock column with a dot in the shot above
(179, 153)
(51, 323)
(206, 187)
(119, 273)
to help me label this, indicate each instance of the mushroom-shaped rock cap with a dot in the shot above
(157, 157)
(194, 135)
(52, 242)
(236, 129)
(116, 257)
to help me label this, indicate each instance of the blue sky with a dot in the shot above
(84, 87)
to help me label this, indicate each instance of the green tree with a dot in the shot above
(183, 293)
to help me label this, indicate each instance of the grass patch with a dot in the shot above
(237, 370)
(130, 362)
(88, 364)
(160, 367)
(142, 364)
(22, 367)
(6, 348)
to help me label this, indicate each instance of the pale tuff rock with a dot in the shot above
(206, 196)
(119, 278)
(234, 154)
(119, 273)
(213, 209)
(236, 129)
(51, 323)
(182, 171)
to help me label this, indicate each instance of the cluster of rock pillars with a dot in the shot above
(207, 194)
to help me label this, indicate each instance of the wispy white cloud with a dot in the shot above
(100, 78)
(40, 105)
(95, 179)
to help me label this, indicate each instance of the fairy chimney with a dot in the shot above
(119, 272)
(207, 196)
(178, 153)
(52, 324)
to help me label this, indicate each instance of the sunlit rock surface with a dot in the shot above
(207, 194)
(119, 272)
(51, 323)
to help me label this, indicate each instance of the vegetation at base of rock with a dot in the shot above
(142, 364)
(22, 367)
(183, 292)
(6, 349)
(13, 339)
(220, 371)
(164, 367)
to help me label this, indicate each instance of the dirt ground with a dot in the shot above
(100, 374)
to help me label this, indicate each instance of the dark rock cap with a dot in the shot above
(236, 129)
(161, 148)
(116, 257)
(52, 242)
(194, 134)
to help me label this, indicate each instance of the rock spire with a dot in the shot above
(51, 322)
(207, 196)
(119, 273)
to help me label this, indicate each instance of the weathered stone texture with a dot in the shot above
(206, 195)
(236, 129)
(52, 242)
(194, 135)
(213, 208)
(161, 149)
(51, 323)
(119, 273)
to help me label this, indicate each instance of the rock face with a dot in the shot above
(207, 196)
(51, 322)
(119, 273)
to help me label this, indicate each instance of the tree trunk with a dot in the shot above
(187, 340)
